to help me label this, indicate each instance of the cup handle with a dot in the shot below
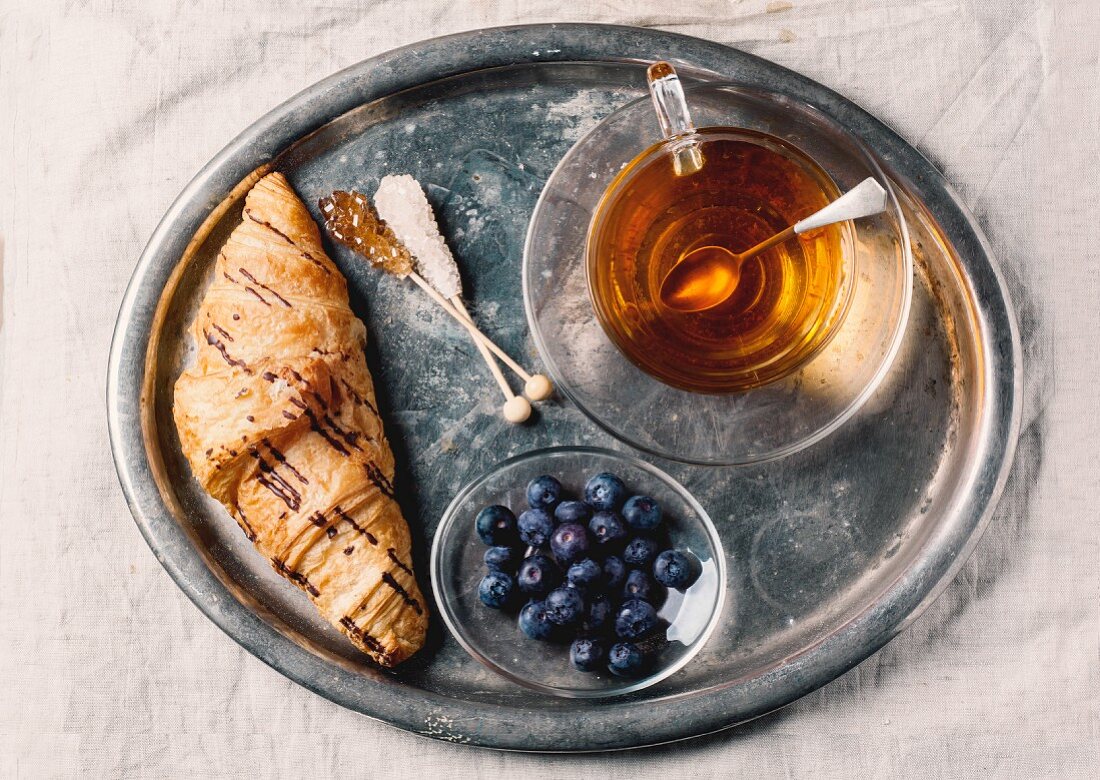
(675, 119)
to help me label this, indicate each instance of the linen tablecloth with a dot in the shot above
(106, 111)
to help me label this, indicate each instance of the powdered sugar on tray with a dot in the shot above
(580, 113)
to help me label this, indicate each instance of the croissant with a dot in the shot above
(278, 420)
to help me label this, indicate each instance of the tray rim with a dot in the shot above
(441, 716)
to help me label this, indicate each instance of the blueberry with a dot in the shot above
(677, 569)
(586, 654)
(543, 492)
(640, 552)
(496, 525)
(607, 528)
(502, 558)
(584, 574)
(635, 619)
(496, 590)
(598, 615)
(642, 513)
(538, 574)
(535, 622)
(572, 512)
(605, 491)
(565, 606)
(569, 542)
(614, 572)
(535, 527)
(639, 585)
(625, 659)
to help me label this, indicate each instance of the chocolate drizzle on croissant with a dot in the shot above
(278, 420)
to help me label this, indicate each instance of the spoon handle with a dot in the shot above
(768, 243)
(864, 200)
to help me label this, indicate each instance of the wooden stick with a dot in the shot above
(485, 353)
(477, 335)
(516, 409)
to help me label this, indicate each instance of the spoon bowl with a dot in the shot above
(704, 278)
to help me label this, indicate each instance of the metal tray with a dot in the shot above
(832, 551)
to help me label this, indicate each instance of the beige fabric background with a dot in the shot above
(106, 111)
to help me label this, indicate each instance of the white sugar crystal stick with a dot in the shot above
(401, 202)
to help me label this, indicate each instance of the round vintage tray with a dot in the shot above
(831, 552)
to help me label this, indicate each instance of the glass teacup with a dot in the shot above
(728, 188)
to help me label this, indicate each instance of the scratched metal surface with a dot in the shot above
(831, 552)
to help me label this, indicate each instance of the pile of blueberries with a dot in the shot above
(590, 572)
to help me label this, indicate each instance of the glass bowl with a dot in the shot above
(493, 637)
(765, 422)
